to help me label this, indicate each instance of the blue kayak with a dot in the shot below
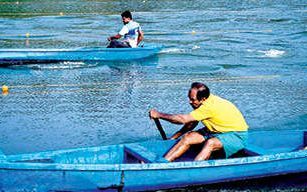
(23, 56)
(141, 166)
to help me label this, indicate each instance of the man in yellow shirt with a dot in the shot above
(225, 127)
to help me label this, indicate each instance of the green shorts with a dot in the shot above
(232, 141)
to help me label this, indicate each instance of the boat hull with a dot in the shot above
(24, 56)
(138, 167)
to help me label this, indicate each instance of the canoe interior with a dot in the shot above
(260, 143)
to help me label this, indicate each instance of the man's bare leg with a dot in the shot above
(184, 144)
(211, 145)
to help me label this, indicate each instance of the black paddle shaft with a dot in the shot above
(162, 133)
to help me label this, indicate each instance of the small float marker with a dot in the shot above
(5, 89)
(61, 13)
(193, 32)
(27, 35)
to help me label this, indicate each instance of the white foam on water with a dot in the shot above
(179, 50)
(173, 50)
(273, 53)
(57, 66)
(195, 47)
(73, 63)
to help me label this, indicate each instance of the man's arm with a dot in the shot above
(173, 118)
(121, 33)
(140, 37)
(118, 36)
(187, 127)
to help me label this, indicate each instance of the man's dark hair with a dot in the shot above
(126, 14)
(202, 90)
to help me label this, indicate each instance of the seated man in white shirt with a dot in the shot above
(131, 32)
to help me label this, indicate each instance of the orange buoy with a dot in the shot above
(5, 89)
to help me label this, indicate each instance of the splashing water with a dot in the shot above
(273, 53)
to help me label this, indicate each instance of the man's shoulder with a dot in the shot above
(133, 24)
(214, 102)
(211, 99)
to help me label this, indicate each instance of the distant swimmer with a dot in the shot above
(131, 31)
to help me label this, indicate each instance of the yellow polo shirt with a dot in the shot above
(219, 115)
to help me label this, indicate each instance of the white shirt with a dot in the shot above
(130, 31)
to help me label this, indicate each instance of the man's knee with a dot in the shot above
(213, 144)
(112, 44)
(192, 138)
(118, 44)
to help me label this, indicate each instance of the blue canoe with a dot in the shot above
(141, 166)
(24, 56)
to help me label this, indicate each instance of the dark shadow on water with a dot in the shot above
(228, 66)
(49, 66)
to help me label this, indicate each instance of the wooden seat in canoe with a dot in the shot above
(143, 154)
